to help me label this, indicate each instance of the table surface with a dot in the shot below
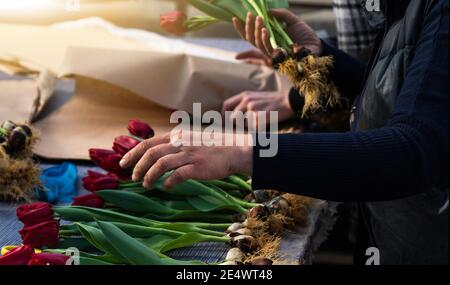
(207, 252)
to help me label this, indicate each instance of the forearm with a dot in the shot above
(384, 164)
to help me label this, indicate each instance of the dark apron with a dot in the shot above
(412, 230)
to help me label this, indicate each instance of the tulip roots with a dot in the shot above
(19, 175)
(310, 76)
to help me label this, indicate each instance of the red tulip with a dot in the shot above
(124, 144)
(140, 129)
(48, 259)
(89, 200)
(95, 181)
(173, 22)
(109, 161)
(18, 256)
(44, 234)
(31, 214)
(97, 155)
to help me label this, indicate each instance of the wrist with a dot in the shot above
(242, 160)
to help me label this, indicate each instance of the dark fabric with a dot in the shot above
(400, 157)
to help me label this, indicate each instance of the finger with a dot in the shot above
(255, 61)
(250, 28)
(136, 153)
(180, 175)
(163, 165)
(240, 109)
(285, 16)
(258, 34)
(266, 41)
(250, 54)
(239, 27)
(232, 102)
(150, 157)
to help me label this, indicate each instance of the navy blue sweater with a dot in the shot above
(406, 157)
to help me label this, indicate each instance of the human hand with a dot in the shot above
(261, 101)
(301, 33)
(154, 157)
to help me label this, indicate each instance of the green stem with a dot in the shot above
(261, 9)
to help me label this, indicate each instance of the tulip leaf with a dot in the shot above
(134, 251)
(212, 10)
(93, 261)
(97, 238)
(85, 214)
(134, 202)
(190, 239)
(208, 204)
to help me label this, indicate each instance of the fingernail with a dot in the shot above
(134, 177)
(123, 162)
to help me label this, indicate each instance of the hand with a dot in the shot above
(154, 157)
(301, 33)
(261, 101)
(255, 57)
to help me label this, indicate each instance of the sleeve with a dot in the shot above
(404, 158)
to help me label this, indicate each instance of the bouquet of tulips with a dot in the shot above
(121, 222)
(19, 176)
(309, 74)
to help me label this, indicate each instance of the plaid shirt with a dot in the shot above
(354, 34)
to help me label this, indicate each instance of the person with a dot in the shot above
(394, 161)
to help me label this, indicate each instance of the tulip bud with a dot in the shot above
(95, 181)
(18, 256)
(44, 234)
(140, 129)
(173, 22)
(32, 214)
(53, 259)
(123, 144)
(89, 200)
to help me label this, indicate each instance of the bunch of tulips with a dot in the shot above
(308, 73)
(121, 222)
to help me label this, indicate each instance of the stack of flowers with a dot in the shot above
(309, 73)
(121, 222)
(19, 176)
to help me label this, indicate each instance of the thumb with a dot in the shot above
(285, 16)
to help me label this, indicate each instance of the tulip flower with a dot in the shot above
(44, 234)
(109, 161)
(97, 155)
(95, 181)
(89, 200)
(123, 144)
(140, 129)
(32, 214)
(174, 22)
(48, 259)
(18, 256)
